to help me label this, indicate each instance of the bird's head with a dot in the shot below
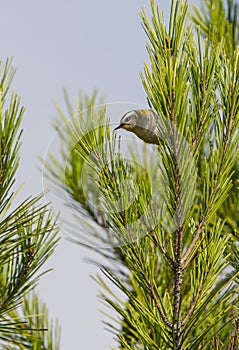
(128, 121)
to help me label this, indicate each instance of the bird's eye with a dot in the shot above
(127, 119)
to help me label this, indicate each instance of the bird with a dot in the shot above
(143, 123)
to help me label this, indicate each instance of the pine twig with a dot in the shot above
(194, 241)
(157, 303)
(166, 256)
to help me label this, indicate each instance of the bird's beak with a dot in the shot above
(118, 127)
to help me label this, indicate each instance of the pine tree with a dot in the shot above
(28, 236)
(171, 226)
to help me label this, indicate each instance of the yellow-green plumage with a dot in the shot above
(142, 123)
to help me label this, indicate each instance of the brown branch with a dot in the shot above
(3, 160)
(190, 310)
(178, 279)
(150, 287)
(195, 299)
(178, 244)
(166, 256)
(194, 241)
(193, 303)
(198, 134)
(158, 305)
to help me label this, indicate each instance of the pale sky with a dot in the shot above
(78, 45)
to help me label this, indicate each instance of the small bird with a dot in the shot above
(142, 123)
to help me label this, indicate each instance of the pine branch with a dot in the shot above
(174, 251)
(162, 249)
(157, 303)
(28, 233)
(194, 241)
